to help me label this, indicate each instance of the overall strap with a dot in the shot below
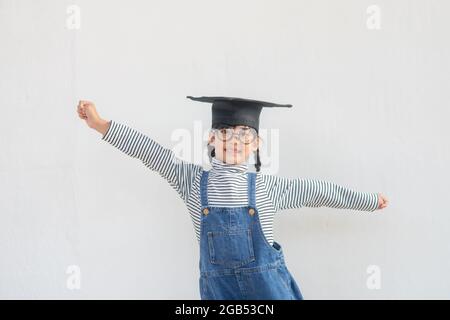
(251, 177)
(204, 188)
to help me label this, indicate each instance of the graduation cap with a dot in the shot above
(236, 111)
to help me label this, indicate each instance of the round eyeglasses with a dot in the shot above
(246, 135)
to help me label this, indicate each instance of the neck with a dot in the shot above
(219, 165)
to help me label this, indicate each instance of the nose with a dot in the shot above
(233, 142)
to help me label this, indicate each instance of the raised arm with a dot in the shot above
(179, 173)
(289, 193)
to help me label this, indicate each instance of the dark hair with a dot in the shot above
(213, 151)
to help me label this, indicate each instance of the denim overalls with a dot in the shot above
(236, 260)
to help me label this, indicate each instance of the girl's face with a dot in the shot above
(234, 145)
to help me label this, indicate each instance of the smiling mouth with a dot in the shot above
(234, 150)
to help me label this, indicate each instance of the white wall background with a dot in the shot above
(371, 111)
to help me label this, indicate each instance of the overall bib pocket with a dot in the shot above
(231, 248)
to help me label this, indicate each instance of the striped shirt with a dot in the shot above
(227, 183)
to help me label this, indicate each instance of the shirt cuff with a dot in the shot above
(374, 202)
(112, 127)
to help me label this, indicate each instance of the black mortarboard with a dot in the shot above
(236, 111)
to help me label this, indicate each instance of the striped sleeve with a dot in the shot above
(293, 193)
(179, 173)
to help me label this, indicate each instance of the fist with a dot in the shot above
(382, 201)
(86, 111)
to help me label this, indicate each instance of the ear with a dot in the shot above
(256, 144)
(211, 139)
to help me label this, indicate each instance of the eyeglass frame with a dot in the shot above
(253, 133)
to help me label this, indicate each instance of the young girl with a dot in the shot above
(233, 209)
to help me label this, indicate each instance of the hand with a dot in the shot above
(382, 201)
(87, 111)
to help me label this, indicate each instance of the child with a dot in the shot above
(232, 209)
